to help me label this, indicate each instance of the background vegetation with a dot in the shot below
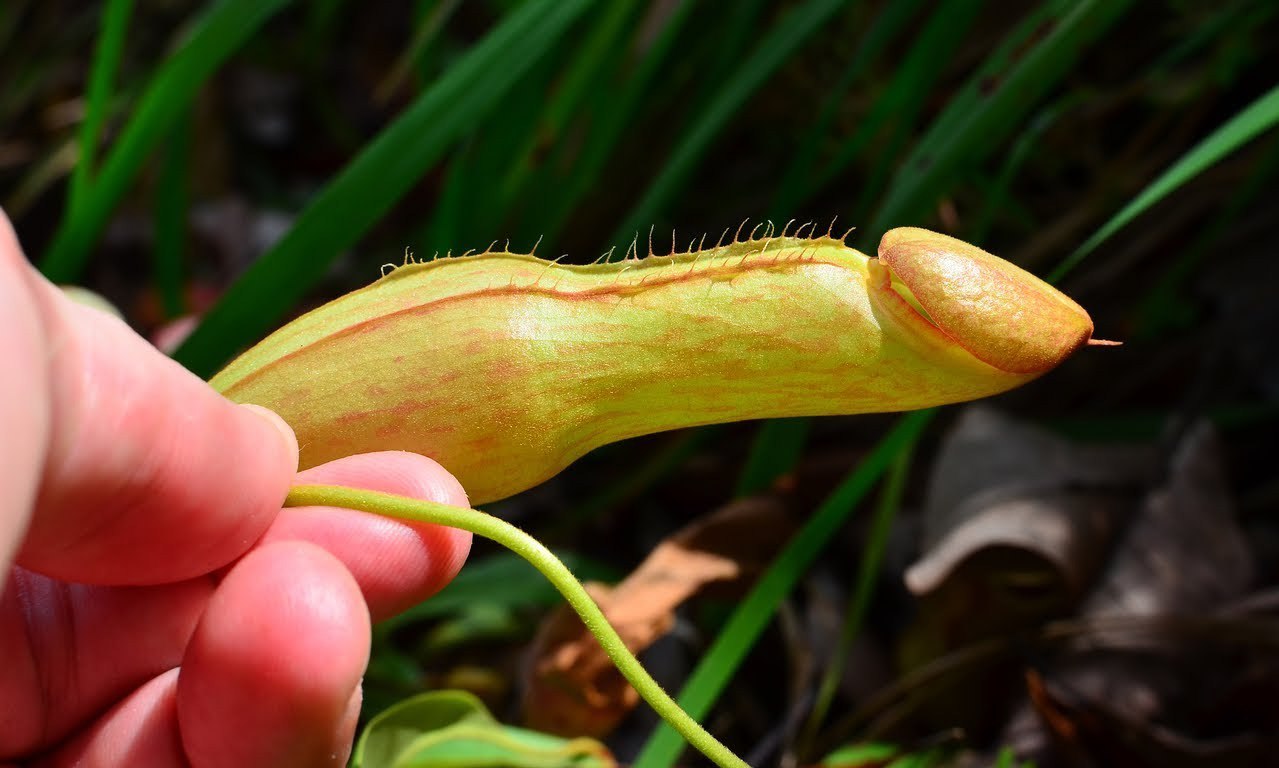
(241, 160)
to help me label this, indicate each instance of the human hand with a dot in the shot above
(159, 607)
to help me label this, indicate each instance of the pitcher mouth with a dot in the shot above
(999, 313)
(901, 289)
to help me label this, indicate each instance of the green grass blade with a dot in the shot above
(477, 216)
(1224, 18)
(1163, 307)
(381, 174)
(503, 579)
(768, 55)
(658, 465)
(736, 30)
(428, 30)
(797, 181)
(595, 59)
(102, 72)
(222, 30)
(993, 102)
(444, 227)
(775, 451)
(868, 569)
(609, 125)
(1255, 119)
(998, 198)
(56, 164)
(896, 110)
(172, 199)
(757, 610)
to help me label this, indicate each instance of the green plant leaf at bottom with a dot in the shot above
(452, 729)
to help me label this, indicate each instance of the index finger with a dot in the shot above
(149, 475)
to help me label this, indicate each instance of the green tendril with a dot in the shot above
(519, 542)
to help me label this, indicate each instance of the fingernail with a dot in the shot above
(280, 425)
(345, 733)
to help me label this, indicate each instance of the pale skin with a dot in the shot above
(159, 607)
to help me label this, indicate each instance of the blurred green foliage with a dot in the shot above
(1046, 131)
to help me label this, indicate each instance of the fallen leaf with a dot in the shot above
(573, 687)
(1184, 552)
(1096, 732)
(999, 483)
(1016, 525)
(1144, 670)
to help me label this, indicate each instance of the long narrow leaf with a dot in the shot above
(428, 30)
(172, 198)
(594, 59)
(797, 182)
(106, 62)
(767, 56)
(997, 196)
(757, 610)
(993, 102)
(379, 176)
(215, 37)
(608, 126)
(473, 186)
(1257, 118)
(776, 450)
(736, 29)
(1163, 306)
(868, 570)
(896, 111)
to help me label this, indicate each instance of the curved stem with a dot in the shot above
(483, 524)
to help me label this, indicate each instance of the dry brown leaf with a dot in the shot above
(1094, 731)
(1184, 553)
(1016, 526)
(1002, 484)
(1138, 671)
(573, 687)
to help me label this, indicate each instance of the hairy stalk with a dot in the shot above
(502, 532)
